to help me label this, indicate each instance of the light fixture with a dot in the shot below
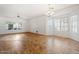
(18, 15)
(50, 11)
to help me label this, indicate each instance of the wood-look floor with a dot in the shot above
(29, 43)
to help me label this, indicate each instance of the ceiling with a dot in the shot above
(27, 10)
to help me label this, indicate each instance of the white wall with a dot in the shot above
(4, 27)
(38, 24)
(33, 25)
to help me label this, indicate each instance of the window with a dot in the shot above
(10, 26)
(61, 24)
(64, 25)
(73, 24)
(57, 24)
(15, 26)
(50, 22)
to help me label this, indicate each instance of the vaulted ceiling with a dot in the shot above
(27, 10)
